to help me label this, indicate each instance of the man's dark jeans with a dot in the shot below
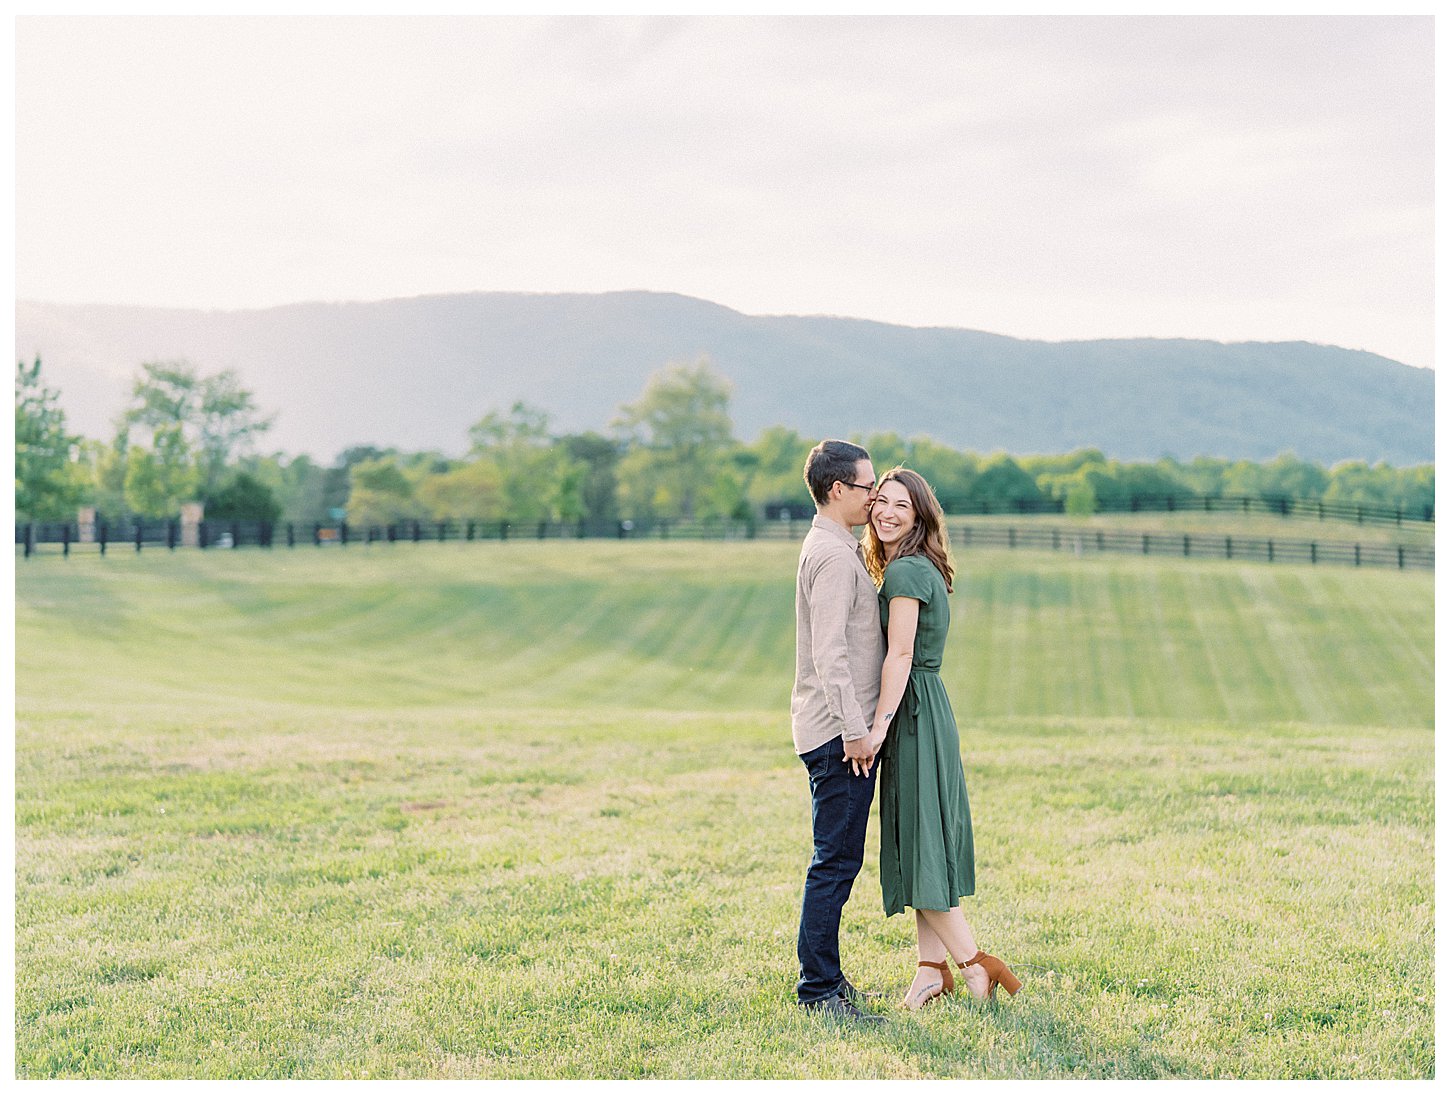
(840, 808)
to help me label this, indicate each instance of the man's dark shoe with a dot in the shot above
(838, 1007)
(855, 995)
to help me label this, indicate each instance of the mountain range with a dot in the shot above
(416, 373)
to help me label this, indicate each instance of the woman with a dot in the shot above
(926, 827)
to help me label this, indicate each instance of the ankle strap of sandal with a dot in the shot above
(934, 965)
(972, 961)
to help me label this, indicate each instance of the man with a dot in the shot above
(839, 650)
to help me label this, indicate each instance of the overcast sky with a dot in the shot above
(1226, 178)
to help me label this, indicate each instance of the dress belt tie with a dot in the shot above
(911, 701)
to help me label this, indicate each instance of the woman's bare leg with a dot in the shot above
(928, 981)
(952, 930)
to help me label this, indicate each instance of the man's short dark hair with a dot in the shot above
(832, 462)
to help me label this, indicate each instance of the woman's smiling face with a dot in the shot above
(892, 515)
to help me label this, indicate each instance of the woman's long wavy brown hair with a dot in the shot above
(928, 536)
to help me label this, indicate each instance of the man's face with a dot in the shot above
(861, 494)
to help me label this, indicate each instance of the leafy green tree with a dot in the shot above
(468, 492)
(951, 473)
(887, 449)
(1063, 464)
(297, 483)
(212, 419)
(47, 485)
(593, 487)
(337, 483)
(100, 471)
(777, 477)
(1002, 486)
(244, 498)
(383, 495)
(681, 428)
(1415, 489)
(160, 478)
(537, 477)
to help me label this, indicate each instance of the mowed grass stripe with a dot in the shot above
(581, 623)
(1316, 678)
(1379, 667)
(1189, 683)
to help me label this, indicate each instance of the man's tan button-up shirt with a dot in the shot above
(838, 640)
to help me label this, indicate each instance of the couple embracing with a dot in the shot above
(868, 704)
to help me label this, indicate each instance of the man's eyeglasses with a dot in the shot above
(868, 487)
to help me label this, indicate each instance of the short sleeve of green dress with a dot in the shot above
(926, 826)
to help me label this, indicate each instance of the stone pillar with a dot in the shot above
(191, 516)
(86, 524)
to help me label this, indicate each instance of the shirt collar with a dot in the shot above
(835, 529)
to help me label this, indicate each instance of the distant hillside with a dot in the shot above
(417, 373)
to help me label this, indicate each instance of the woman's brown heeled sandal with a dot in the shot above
(948, 983)
(997, 974)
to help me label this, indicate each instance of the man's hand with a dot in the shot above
(859, 755)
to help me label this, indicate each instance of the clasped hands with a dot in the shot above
(861, 752)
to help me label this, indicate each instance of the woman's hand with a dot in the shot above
(877, 738)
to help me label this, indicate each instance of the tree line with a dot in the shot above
(670, 454)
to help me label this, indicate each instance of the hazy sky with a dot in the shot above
(1228, 178)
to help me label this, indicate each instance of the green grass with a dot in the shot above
(530, 810)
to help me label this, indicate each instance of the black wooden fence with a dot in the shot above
(211, 535)
(1275, 506)
(1196, 546)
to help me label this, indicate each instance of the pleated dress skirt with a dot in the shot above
(926, 823)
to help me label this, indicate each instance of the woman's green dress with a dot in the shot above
(926, 825)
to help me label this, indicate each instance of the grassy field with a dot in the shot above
(530, 810)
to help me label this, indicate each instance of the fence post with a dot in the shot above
(65, 540)
(291, 535)
(29, 539)
(1313, 552)
(342, 532)
(170, 535)
(1359, 511)
(469, 534)
(264, 534)
(1356, 555)
(1185, 547)
(1011, 537)
(101, 533)
(201, 537)
(138, 537)
(503, 530)
(1228, 547)
(1054, 539)
(442, 531)
(1271, 551)
(1145, 543)
(1400, 550)
(236, 534)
